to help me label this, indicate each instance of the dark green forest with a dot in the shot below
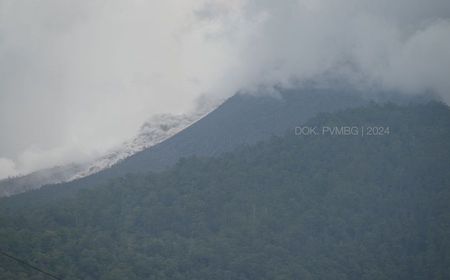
(294, 207)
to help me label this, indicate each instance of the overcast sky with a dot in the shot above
(79, 77)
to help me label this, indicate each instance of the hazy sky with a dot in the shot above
(79, 77)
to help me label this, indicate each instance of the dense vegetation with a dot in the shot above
(295, 207)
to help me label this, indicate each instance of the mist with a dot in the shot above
(78, 78)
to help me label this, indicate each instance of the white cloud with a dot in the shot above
(7, 168)
(423, 62)
(85, 75)
(400, 44)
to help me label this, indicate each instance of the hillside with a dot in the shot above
(242, 119)
(293, 207)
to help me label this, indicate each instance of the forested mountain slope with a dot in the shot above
(242, 119)
(295, 207)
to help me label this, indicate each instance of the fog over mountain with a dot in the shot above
(77, 78)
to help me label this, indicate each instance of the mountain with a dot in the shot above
(327, 206)
(155, 130)
(240, 120)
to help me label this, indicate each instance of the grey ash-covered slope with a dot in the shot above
(154, 131)
(243, 119)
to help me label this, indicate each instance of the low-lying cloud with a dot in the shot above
(79, 77)
(399, 45)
